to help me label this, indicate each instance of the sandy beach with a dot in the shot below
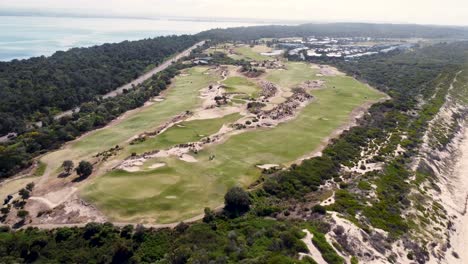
(459, 239)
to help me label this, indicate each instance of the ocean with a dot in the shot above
(27, 36)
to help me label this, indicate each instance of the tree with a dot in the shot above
(24, 194)
(236, 201)
(22, 214)
(209, 215)
(84, 169)
(67, 166)
(30, 186)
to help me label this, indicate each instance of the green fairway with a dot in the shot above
(241, 85)
(180, 189)
(183, 132)
(251, 53)
(297, 72)
(181, 96)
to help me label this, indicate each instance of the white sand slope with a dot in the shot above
(459, 239)
(314, 253)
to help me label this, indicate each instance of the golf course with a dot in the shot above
(190, 164)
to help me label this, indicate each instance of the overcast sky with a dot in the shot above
(445, 12)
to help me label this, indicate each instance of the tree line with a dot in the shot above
(336, 30)
(34, 89)
(18, 153)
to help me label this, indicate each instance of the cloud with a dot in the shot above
(399, 11)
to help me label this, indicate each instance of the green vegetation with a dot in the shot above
(183, 132)
(36, 88)
(84, 169)
(17, 154)
(148, 118)
(328, 253)
(67, 166)
(298, 72)
(237, 201)
(221, 241)
(241, 85)
(274, 32)
(181, 189)
(251, 53)
(41, 167)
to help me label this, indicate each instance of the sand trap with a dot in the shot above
(158, 99)
(216, 112)
(171, 197)
(188, 158)
(53, 199)
(267, 166)
(157, 165)
(131, 169)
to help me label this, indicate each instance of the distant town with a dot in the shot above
(328, 47)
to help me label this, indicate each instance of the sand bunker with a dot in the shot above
(157, 165)
(216, 112)
(267, 166)
(188, 158)
(131, 169)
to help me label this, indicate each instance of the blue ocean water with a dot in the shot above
(23, 36)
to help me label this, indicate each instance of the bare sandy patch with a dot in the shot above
(131, 169)
(216, 112)
(314, 253)
(157, 165)
(328, 201)
(267, 166)
(188, 158)
(327, 70)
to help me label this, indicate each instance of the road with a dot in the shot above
(140, 79)
(148, 75)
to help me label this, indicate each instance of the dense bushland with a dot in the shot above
(34, 89)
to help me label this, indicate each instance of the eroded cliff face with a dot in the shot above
(437, 179)
(441, 169)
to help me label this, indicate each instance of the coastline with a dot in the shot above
(459, 236)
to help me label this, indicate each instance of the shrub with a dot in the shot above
(319, 209)
(236, 201)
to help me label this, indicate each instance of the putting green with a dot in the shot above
(180, 190)
(242, 85)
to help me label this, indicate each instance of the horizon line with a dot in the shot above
(269, 21)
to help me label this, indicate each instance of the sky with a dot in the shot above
(446, 12)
